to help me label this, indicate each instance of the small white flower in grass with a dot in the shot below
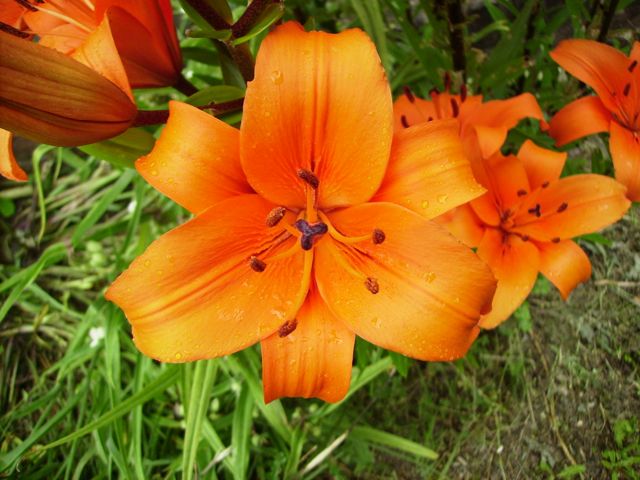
(132, 206)
(500, 449)
(96, 334)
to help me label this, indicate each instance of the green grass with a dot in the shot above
(554, 393)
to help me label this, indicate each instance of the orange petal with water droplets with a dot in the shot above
(542, 165)
(9, 168)
(582, 117)
(625, 152)
(319, 102)
(493, 120)
(431, 287)
(564, 264)
(193, 294)
(464, 224)
(312, 361)
(515, 264)
(428, 171)
(196, 160)
(599, 65)
(573, 206)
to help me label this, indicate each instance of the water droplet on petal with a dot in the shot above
(442, 198)
(425, 204)
(178, 356)
(276, 77)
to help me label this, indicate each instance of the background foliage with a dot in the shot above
(554, 393)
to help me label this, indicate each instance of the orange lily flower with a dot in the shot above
(483, 125)
(615, 79)
(525, 222)
(12, 13)
(286, 247)
(92, 100)
(143, 31)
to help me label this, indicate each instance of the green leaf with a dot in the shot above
(216, 93)
(123, 150)
(375, 436)
(572, 471)
(271, 15)
(523, 315)
(241, 433)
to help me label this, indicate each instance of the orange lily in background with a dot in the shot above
(615, 78)
(143, 32)
(12, 13)
(286, 246)
(525, 222)
(483, 125)
(55, 99)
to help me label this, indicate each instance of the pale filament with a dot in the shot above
(340, 237)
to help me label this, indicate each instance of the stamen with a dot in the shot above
(521, 192)
(429, 119)
(455, 107)
(309, 177)
(555, 240)
(525, 238)
(309, 232)
(275, 215)
(256, 264)
(287, 327)
(627, 89)
(26, 5)
(290, 252)
(447, 81)
(434, 92)
(372, 285)
(463, 93)
(535, 210)
(65, 18)
(409, 94)
(563, 206)
(545, 184)
(632, 66)
(403, 121)
(378, 236)
(504, 216)
(12, 31)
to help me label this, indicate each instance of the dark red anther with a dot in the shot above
(521, 192)
(455, 108)
(447, 81)
(525, 238)
(409, 94)
(545, 184)
(563, 206)
(434, 92)
(310, 232)
(13, 31)
(378, 236)
(372, 285)
(27, 5)
(555, 240)
(287, 328)
(632, 66)
(274, 216)
(627, 89)
(463, 93)
(429, 119)
(404, 121)
(308, 177)
(256, 264)
(535, 210)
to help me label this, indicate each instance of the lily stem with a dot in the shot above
(156, 117)
(456, 35)
(209, 14)
(249, 17)
(606, 20)
(185, 86)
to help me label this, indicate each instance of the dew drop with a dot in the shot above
(276, 77)
(425, 204)
(429, 277)
(178, 356)
(442, 198)
(147, 263)
(154, 172)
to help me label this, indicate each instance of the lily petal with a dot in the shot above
(432, 289)
(493, 120)
(542, 165)
(9, 168)
(415, 111)
(319, 102)
(504, 177)
(428, 171)
(515, 264)
(625, 152)
(564, 264)
(596, 64)
(582, 117)
(193, 293)
(312, 361)
(196, 160)
(572, 206)
(464, 224)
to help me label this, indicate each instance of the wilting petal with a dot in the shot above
(572, 206)
(542, 166)
(580, 118)
(493, 120)
(515, 264)
(596, 64)
(99, 53)
(431, 288)
(428, 171)
(415, 111)
(625, 152)
(319, 102)
(9, 168)
(565, 265)
(54, 99)
(196, 160)
(193, 293)
(312, 361)
(464, 224)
